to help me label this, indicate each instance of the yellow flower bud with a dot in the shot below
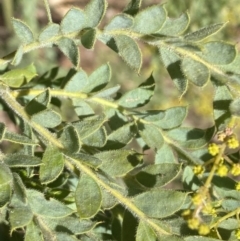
(232, 142)
(198, 170)
(203, 229)
(237, 233)
(197, 199)
(193, 223)
(237, 187)
(235, 171)
(222, 171)
(213, 149)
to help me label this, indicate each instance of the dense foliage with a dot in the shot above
(79, 169)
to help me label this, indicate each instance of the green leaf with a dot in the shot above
(71, 223)
(195, 72)
(172, 62)
(50, 31)
(19, 77)
(88, 39)
(47, 118)
(97, 139)
(191, 138)
(235, 107)
(158, 175)
(70, 139)
(20, 215)
(77, 82)
(66, 237)
(171, 202)
(89, 160)
(108, 92)
(33, 232)
(38, 103)
(165, 155)
(145, 233)
(204, 32)
(129, 226)
(20, 160)
(175, 26)
(139, 96)
(133, 7)
(82, 108)
(88, 197)
(121, 21)
(53, 164)
(150, 20)
(46, 208)
(121, 137)
(118, 162)
(95, 10)
(221, 101)
(18, 56)
(5, 174)
(166, 119)
(23, 31)
(151, 135)
(98, 79)
(88, 126)
(17, 138)
(5, 194)
(218, 52)
(19, 188)
(74, 20)
(128, 50)
(70, 50)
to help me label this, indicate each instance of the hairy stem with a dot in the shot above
(46, 3)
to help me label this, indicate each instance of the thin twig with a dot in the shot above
(46, 3)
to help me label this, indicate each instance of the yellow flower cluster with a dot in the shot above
(232, 142)
(237, 233)
(197, 199)
(235, 171)
(209, 210)
(198, 170)
(237, 186)
(213, 149)
(203, 229)
(222, 170)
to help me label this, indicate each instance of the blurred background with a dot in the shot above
(202, 12)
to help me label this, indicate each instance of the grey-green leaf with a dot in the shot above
(23, 31)
(171, 202)
(98, 79)
(53, 164)
(95, 11)
(97, 139)
(204, 32)
(128, 49)
(88, 197)
(18, 56)
(118, 162)
(74, 20)
(175, 26)
(145, 233)
(50, 31)
(2, 130)
(219, 53)
(17, 138)
(191, 138)
(235, 107)
(151, 135)
(165, 155)
(149, 20)
(140, 96)
(47, 118)
(19, 188)
(5, 174)
(158, 175)
(77, 82)
(5, 194)
(33, 232)
(70, 49)
(88, 39)
(20, 160)
(21, 215)
(121, 21)
(133, 7)
(172, 62)
(195, 71)
(47, 208)
(70, 139)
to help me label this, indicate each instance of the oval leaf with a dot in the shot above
(49, 32)
(88, 197)
(53, 164)
(164, 203)
(23, 31)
